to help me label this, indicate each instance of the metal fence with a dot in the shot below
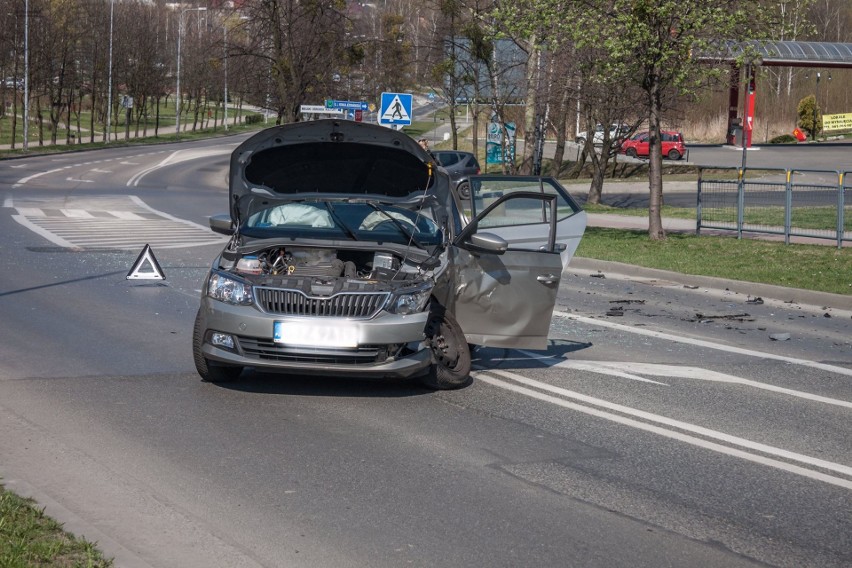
(792, 203)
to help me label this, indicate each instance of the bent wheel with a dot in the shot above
(450, 354)
(464, 190)
(209, 371)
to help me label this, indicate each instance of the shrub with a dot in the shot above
(784, 139)
(253, 118)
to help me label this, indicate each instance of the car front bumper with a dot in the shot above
(386, 346)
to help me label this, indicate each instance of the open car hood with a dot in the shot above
(334, 159)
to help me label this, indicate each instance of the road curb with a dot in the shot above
(620, 270)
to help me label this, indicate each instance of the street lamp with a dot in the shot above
(177, 92)
(109, 81)
(26, 74)
(816, 102)
(225, 34)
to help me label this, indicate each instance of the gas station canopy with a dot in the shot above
(770, 53)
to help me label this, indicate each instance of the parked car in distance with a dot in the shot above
(617, 132)
(350, 256)
(639, 146)
(460, 166)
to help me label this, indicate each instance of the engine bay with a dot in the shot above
(324, 271)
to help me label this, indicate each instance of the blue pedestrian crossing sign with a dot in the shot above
(395, 109)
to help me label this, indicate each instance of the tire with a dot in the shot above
(631, 152)
(209, 371)
(674, 154)
(580, 141)
(450, 354)
(463, 190)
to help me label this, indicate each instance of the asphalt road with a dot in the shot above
(670, 423)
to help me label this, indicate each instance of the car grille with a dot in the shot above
(296, 303)
(267, 350)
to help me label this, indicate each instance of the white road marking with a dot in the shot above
(124, 222)
(621, 368)
(602, 368)
(129, 215)
(22, 181)
(686, 438)
(58, 241)
(177, 157)
(703, 343)
(77, 213)
(97, 171)
(79, 180)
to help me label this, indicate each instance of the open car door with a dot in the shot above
(505, 297)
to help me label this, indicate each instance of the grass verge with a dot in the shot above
(30, 538)
(809, 267)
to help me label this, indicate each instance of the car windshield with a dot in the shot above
(342, 219)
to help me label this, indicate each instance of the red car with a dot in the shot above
(673, 146)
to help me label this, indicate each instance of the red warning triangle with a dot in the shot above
(146, 267)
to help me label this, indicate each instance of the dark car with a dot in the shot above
(350, 256)
(639, 145)
(460, 166)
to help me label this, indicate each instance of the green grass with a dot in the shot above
(811, 218)
(29, 538)
(166, 135)
(810, 267)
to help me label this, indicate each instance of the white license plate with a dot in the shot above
(315, 334)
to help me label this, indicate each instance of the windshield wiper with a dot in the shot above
(339, 221)
(402, 228)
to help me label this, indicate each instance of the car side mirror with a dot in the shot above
(222, 224)
(486, 242)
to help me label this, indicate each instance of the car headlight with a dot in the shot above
(410, 301)
(229, 290)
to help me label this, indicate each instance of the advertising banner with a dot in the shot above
(494, 143)
(837, 121)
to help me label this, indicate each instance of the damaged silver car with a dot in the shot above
(350, 255)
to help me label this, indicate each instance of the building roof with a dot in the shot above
(770, 53)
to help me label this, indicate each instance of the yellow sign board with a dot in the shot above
(837, 121)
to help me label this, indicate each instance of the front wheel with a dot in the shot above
(631, 152)
(674, 154)
(450, 354)
(463, 190)
(210, 372)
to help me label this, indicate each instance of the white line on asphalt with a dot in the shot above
(703, 343)
(620, 368)
(79, 180)
(134, 180)
(22, 181)
(58, 241)
(845, 483)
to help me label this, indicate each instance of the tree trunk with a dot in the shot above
(533, 74)
(655, 162)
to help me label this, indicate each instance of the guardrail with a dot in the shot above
(792, 203)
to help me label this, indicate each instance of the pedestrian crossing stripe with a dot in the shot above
(395, 109)
(146, 257)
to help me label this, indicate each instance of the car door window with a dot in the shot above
(447, 158)
(486, 190)
(520, 209)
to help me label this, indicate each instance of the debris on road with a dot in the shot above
(780, 337)
(755, 301)
(616, 311)
(733, 317)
